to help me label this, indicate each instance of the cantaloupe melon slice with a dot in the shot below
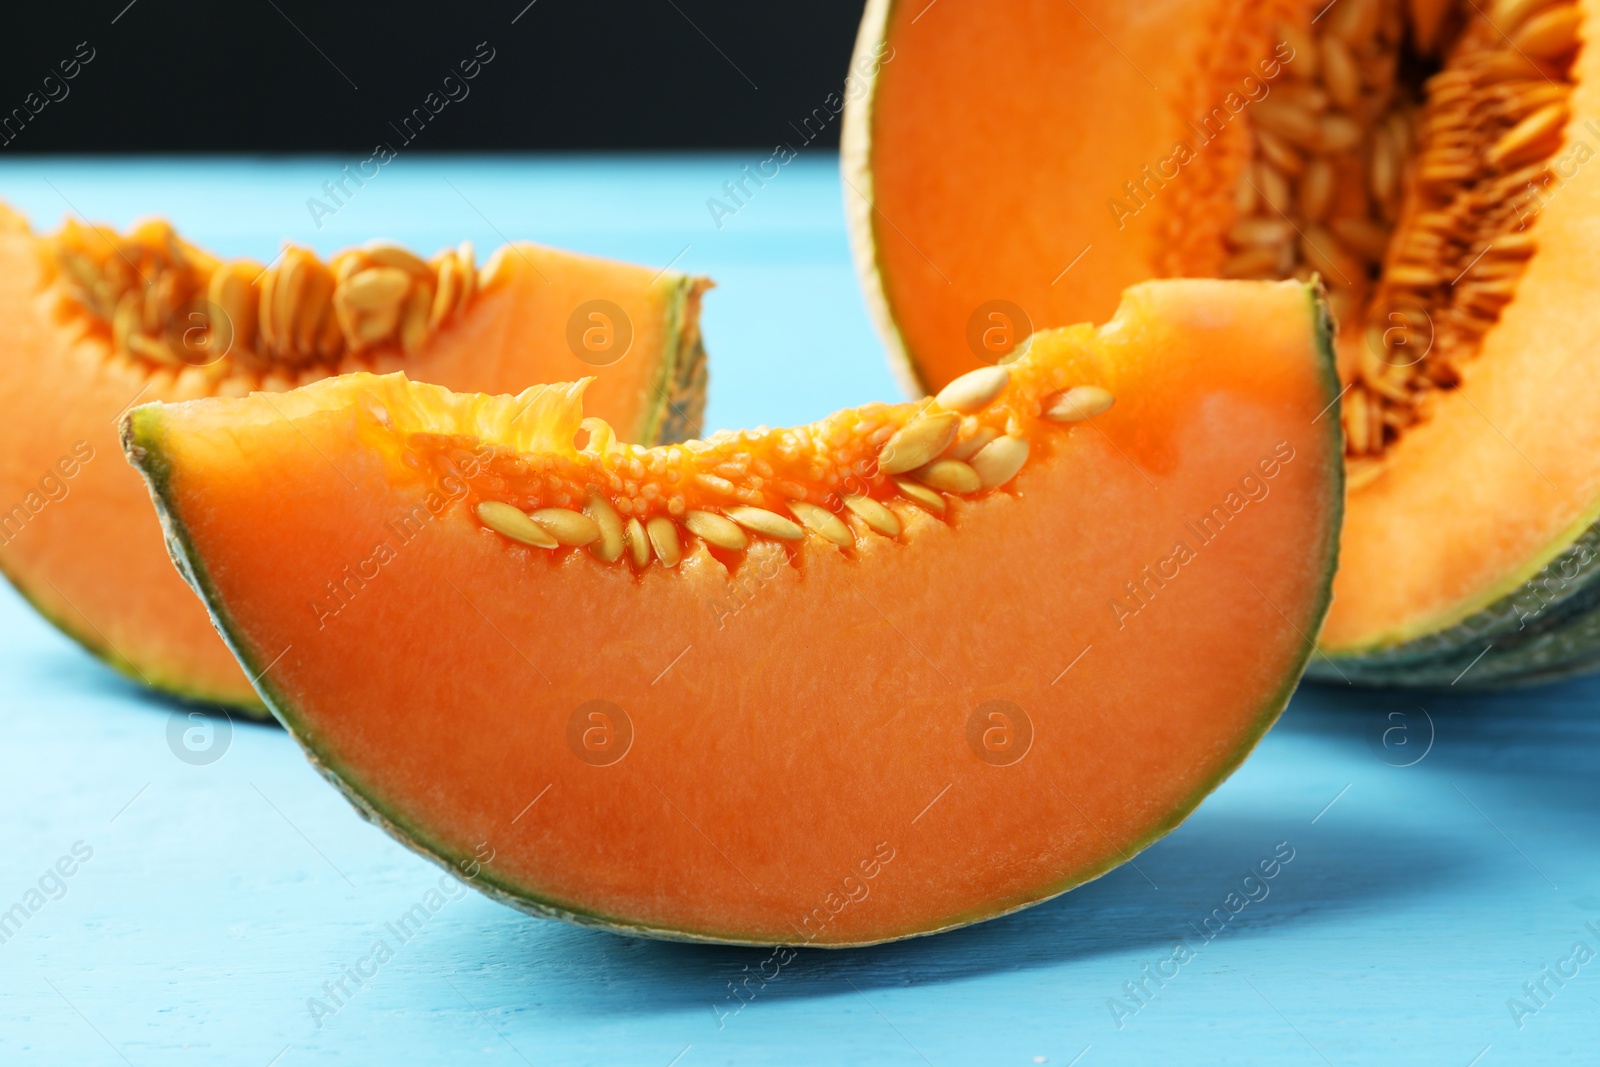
(93, 322)
(909, 667)
(1432, 161)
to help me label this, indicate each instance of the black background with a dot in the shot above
(309, 76)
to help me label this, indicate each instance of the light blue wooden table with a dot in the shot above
(1446, 847)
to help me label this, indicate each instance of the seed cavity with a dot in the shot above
(146, 288)
(1405, 154)
(974, 390)
(624, 500)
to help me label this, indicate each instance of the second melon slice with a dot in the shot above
(95, 321)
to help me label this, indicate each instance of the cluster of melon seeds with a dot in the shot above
(1400, 155)
(162, 300)
(838, 480)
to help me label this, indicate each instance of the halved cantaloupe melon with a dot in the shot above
(909, 667)
(95, 322)
(1428, 158)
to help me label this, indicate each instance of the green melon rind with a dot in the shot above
(142, 436)
(678, 389)
(151, 676)
(1549, 623)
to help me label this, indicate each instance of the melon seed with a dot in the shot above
(507, 521)
(664, 540)
(999, 461)
(389, 254)
(919, 441)
(965, 447)
(608, 547)
(824, 522)
(764, 522)
(949, 475)
(1549, 34)
(1078, 403)
(638, 543)
(877, 517)
(716, 530)
(375, 289)
(568, 527)
(919, 493)
(974, 390)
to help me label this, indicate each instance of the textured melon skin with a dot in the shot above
(1539, 628)
(143, 435)
(1548, 629)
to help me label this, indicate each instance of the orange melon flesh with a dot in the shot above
(1044, 112)
(77, 537)
(1012, 190)
(800, 769)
